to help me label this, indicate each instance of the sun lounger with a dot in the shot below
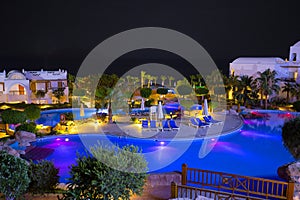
(145, 124)
(165, 125)
(209, 119)
(153, 126)
(173, 125)
(195, 123)
(201, 123)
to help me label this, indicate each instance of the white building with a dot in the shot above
(16, 86)
(286, 69)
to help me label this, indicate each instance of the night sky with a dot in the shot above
(59, 34)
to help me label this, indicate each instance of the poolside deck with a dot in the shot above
(231, 123)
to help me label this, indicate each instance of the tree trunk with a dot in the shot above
(109, 112)
(261, 100)
(287, 97)
(239, 107)
(266, 102)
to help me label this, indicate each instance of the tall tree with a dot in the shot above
(268, 84)
(163, 79)
(288, 88)
(296, 91)
(105, 89)
(243, 91)
(171, 78)
(143, 73)
(155, 79)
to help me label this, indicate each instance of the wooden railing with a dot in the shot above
(218, 185)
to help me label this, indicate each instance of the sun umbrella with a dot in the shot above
(196, 107)
(205, 109)
(160, 114)
(81, 110)
(143, 105)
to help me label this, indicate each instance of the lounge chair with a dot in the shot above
(153, 126)
(195, 123)
(210, 120)
(145, 124)
(201, 123)
(173, 125)
(165, 125)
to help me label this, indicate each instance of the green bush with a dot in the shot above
(14, 178)
(146, 92)
(112, 173)
(13, 117)
(32, 112)
(296, 106)
(162, 91)
(44, 177)
(29, 127)
(291, 136)
(184, 90)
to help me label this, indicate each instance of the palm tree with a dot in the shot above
(193, 82)
(230, 83)
(199, 79)
(143, 73)
(155, 79)
(288, 88)
(135, 80)
(296, 91)
(163, 78)
(149, 78)
(171, 78)
(267, 84)
(246, 83)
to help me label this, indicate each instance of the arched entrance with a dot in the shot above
(17, 92)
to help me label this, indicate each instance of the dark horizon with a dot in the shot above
(53, 35)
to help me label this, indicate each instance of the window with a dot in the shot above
(59, 84)
(294, 57)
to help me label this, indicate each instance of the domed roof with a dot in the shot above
(13, 72)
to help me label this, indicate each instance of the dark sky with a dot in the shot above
(59, 34)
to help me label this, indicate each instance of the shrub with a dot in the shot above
(296, 106)
(162, 91)
(32, 112)
(44, 177)
(13, 117)
(291, 136)
(29, 127)
(146, 92)
(14, 178)
(184, 90)
(112, 173)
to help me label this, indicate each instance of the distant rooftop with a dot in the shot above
(258, 60)
(297, 44)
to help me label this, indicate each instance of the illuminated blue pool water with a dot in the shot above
(255, 150)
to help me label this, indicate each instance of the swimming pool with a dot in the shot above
(255, 150)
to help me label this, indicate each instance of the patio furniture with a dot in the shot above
(201, 123)
(153, 126)
(209, 119)
(165, 125)
(173, 125)
(145, 124)
(195, 123)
